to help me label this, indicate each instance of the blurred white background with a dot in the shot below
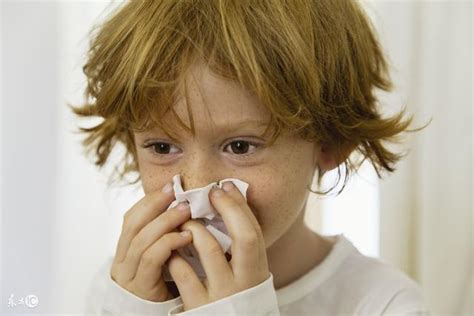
(59, 220)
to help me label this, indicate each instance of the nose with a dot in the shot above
(200, 170)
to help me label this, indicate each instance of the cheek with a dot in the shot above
(149, 180)
(278, 197)
(153, 178)
(275, 205)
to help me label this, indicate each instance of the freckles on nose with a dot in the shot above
(194, 180)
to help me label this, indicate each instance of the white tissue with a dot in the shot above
(201, 208)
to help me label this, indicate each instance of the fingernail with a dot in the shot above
(183, 206)
(216, 192)
(228, 186)
(167, 188)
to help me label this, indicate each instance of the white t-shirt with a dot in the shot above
(346, 282)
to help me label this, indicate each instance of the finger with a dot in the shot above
(211, 255)
(247, 243)
(144, 211)
(192, 291)
(152, 232)
(232, 190)
(151, 263)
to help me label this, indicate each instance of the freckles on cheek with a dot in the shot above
(257, 199)
(253, 204)
(153, 179)
(149, 181)
(263, 203)
(281, 204)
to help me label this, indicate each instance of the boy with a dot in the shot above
(268, 92)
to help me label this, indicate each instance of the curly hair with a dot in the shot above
(313, 64)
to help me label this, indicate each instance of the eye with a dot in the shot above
(159, 148)
(238, 147)
(241, 147)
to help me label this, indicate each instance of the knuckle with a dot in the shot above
(128, 226)
(248, 240)
(214, 249)
(138, 244)
(170, 218)
(191, 224)
(126, 215)
(125, 221)
(114, 268)
(148, 259)
(168, 238)
(181, 274)
(168, 241)
(115, 274)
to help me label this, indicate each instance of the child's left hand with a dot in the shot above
(248, 266)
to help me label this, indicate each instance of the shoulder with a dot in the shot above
(374, 272)
(382, 287)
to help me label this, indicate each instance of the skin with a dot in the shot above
(271, 220)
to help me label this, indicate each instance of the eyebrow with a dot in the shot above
(228, 127)
(223, 128)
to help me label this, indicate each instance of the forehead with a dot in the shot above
(215, 101)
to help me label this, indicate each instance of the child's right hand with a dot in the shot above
(147, 239)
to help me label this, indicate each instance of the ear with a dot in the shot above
(326, 156)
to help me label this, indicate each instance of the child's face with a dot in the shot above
(277, 175)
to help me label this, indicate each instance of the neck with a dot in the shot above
(296, 252)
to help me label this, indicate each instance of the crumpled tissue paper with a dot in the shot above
(202, 209)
